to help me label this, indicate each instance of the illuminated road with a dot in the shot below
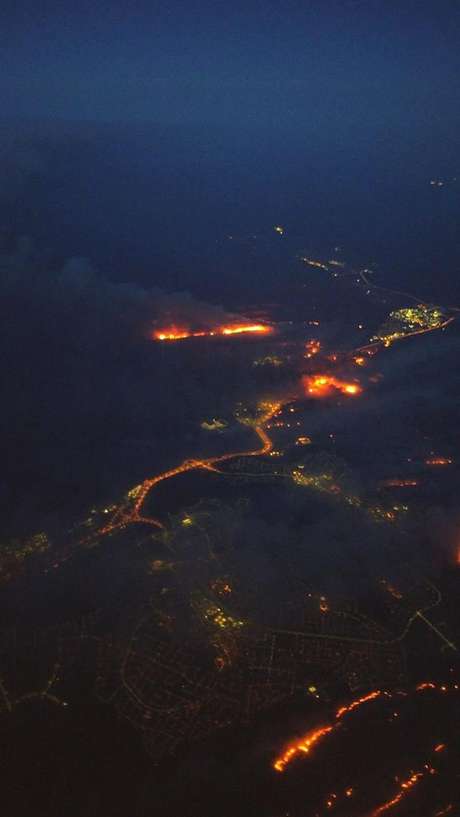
(122, 517)
(315, 386)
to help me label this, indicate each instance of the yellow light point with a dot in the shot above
(348, 792)
(279, 229)
(312, 689)
(134, 492)
(187, 520)
(360, 361)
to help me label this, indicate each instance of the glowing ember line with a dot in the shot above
(406, 786)
(344, 710)
(237, 330)
(304, 745)
(438, 687)
(174, 333)
(446, 810)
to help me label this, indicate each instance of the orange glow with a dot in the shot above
(360, 361)
(304, 745)
(439, 461)
(392, 589)
(407, 785)
(237, 330)
(438, 687)
(322, 385)
(175, 333)
(400, 483)
(131, 515)
(344, 710)
(312, 347)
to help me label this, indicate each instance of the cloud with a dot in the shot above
(80, 376)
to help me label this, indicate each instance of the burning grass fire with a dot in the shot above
(178, 333)
(305, 744)
(323, 385)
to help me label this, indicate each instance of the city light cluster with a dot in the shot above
(409, 321)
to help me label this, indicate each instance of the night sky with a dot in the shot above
(359, 68)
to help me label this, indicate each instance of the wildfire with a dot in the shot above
(175, 333)
(310, 740)
(321, 385)
(304, 745)
(344, 710)
(438, 687)
(407, 785)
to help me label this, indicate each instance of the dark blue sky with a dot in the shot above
(320, 64)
